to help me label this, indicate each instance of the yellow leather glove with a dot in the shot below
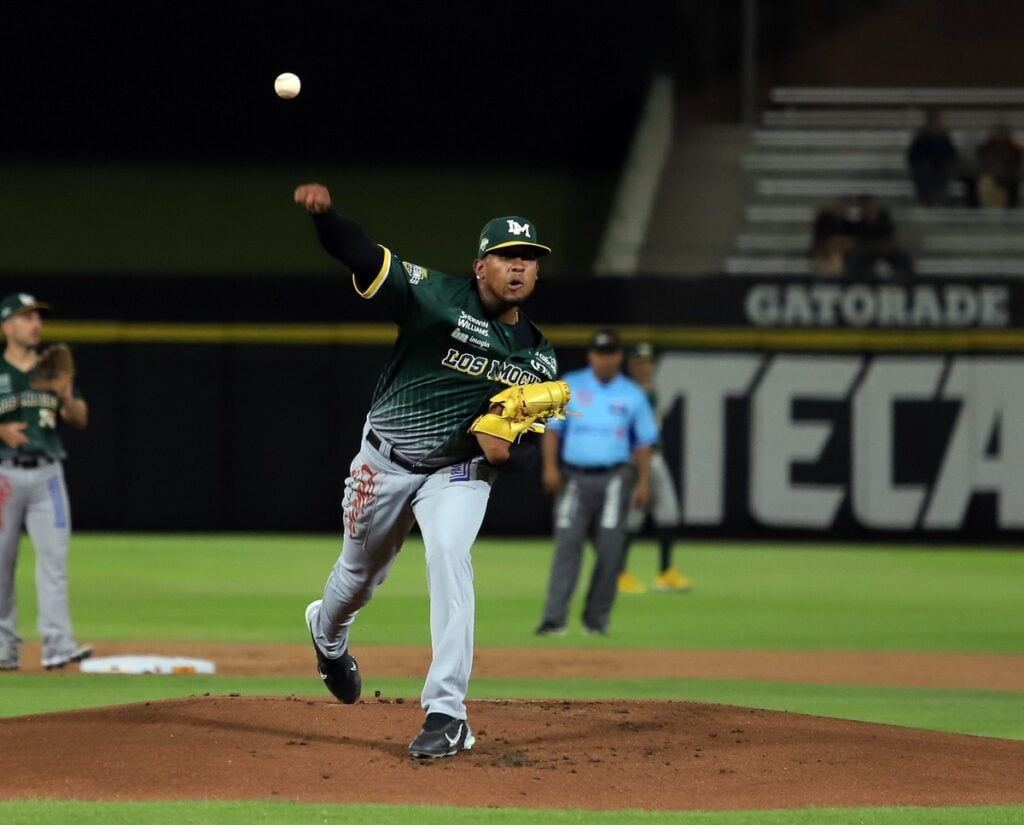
(548, 399)
(505, 428)
(524, 408)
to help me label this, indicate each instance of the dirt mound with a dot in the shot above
(551, 754)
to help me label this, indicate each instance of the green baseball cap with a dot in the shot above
(641, 349)
(511, 230)
(17, 303)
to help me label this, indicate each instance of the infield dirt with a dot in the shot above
(558, 754)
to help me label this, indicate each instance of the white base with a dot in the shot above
(161, 665)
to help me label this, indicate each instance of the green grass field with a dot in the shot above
(752, 597)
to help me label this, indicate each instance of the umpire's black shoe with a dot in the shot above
(442, 735)
(341, 676)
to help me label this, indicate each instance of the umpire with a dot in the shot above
(597, 463)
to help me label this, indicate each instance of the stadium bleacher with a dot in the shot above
(816, 144)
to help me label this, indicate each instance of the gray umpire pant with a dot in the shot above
(591, 504)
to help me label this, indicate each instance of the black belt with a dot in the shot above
(27, 462)
(607, 468)
(394, 457)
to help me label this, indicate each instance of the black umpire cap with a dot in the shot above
(606, 340)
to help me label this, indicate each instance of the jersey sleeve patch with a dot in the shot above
(381, 276)
(415, 272)
(544, 364)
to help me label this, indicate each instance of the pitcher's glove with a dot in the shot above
(54, 370)
(523, 408)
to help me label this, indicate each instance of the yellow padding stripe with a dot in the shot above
(749, 338)
(742, 338)
(107, 332)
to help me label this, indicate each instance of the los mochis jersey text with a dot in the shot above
(496, 370)
(28, 399)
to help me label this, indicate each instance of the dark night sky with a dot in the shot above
(521, 81)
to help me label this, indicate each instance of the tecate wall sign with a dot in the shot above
(858, 441)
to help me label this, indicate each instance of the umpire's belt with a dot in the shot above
(389, 453)
(605, 468)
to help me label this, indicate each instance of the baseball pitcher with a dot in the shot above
(469, 375)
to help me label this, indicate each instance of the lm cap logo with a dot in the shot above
(516, 228)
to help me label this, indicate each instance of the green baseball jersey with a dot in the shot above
(450, 357)
(652, 399)
(39, 409)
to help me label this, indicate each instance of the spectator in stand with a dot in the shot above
(875, 252)
(832, 239)
(998, 169)
(932, 160)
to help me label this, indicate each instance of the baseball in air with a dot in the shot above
(287, 85)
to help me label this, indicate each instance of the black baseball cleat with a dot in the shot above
(341, 676)
(442, 735)
(79, 653)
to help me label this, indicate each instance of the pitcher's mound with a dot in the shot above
(545, 754)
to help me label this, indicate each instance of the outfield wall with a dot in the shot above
(793, 408)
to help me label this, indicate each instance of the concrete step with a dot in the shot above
(869, 162)
(886, 189)
(952, 265)
(800, 212)
(887, 118)
(960, 243)
(774, 242)
(849, 139)
(975, 244)
(897, 95)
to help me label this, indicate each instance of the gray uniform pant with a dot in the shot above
(590, 504)
(663, 505)
(37, 499)
(381, 502)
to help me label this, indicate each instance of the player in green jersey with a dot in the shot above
(460, 341)
(32, 491)
(663, 505)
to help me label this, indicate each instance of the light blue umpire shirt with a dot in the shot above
(613, 420)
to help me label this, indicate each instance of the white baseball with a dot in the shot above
(287, 85)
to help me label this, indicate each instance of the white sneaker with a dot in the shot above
(78, 653)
